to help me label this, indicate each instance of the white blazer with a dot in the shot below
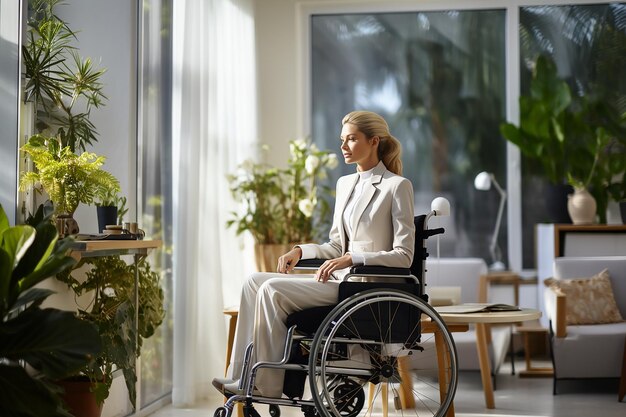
(382, 221)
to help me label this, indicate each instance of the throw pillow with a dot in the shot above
(589, 300)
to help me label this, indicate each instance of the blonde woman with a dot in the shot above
(372, 225)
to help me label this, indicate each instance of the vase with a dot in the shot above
(66, 225)
(106, 215)
(79, 398)
(581, 206)
(266, 255)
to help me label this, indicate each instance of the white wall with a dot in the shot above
(107, 34)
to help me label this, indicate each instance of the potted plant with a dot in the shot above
(280, 207)
(575, 140)
(110, 209)
(52, 342)
(63, 86)
(111, 308)
(67, 178)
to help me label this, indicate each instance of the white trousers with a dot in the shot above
(266, 301)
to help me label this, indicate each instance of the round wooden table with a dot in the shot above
(481, 320)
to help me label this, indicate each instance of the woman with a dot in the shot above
(372, 225)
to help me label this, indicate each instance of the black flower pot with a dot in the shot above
(106, 215)
(622, 211)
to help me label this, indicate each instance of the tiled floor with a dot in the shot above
(514, 396)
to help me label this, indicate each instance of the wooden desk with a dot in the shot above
(481, 320)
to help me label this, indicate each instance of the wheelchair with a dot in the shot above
(382, 349)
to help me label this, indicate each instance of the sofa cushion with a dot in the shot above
(589, 300)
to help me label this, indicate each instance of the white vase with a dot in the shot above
(581, 206)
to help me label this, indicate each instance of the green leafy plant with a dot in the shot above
(54, 343)
(580, 140)
(283, 205)
(63, 85)
(112, 310)
(69, 179)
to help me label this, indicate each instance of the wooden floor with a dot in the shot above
(514, 396)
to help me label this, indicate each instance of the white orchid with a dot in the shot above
(311, 163)
(306, 206)
(281, 205)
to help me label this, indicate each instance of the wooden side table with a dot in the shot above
(533, 371)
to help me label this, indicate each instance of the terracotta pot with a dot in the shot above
(79, 399)
(266, 255)
(582, 206)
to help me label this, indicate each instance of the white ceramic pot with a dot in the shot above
(581, 206)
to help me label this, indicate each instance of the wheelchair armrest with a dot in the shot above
(309, 263)
(378, 270)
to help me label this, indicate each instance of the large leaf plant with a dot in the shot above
(579, 140)
(53, 343)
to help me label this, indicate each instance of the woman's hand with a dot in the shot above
(289, 260)
(323, 274)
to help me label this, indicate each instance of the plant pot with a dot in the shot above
(79, 399)
(106, 215)
(622, 211)
(582, 206)
(66, 225)
(266, 255)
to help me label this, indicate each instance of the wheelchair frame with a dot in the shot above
(325, 379)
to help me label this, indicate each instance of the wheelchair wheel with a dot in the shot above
(390, 344)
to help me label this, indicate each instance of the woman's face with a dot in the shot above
(357, 148)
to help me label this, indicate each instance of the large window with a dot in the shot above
(155, 197)
(588, 45)
(439, 80)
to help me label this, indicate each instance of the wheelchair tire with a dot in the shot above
(383, 340)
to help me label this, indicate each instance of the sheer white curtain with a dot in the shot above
(214, 128)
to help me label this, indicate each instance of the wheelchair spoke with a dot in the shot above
(399, 357)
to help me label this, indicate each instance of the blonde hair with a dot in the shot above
(372, 124)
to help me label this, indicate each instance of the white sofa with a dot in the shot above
(592, 350)
(465, 273)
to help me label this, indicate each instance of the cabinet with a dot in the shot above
(555, 240)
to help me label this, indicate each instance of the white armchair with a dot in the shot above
(591, 350)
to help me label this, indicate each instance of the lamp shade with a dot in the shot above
(441, 206)
(482, 181)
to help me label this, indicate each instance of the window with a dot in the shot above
(588, 45)
(438, 78)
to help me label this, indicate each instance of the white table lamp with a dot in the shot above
(483, 182)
